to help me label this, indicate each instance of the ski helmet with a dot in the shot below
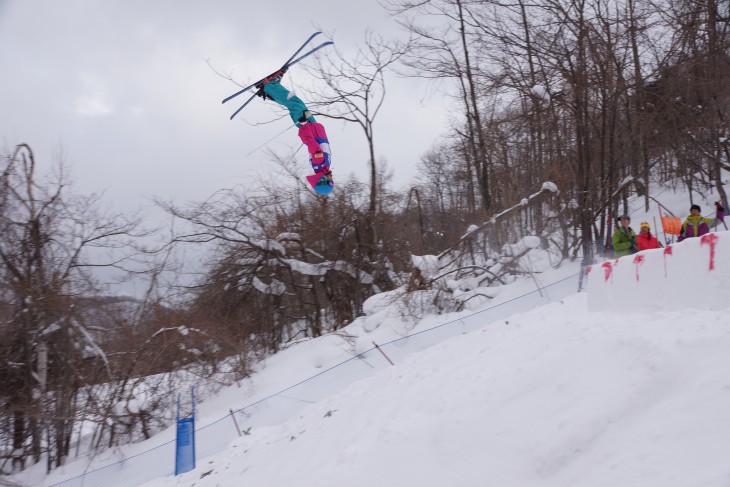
(324, 185)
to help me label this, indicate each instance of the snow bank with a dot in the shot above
(550, 398)
(690, 274)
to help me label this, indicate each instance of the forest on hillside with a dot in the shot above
(560, 112)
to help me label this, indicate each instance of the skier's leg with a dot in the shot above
(297, 109)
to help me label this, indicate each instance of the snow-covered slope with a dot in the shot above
(553, 397)
(319, 367)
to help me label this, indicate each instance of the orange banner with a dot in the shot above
(671, 225)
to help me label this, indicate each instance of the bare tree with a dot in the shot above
(690, 96)
(51, 240)
(281, 267)
(447, 50)
(355, 90)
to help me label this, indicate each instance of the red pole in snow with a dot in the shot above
(381, 351)
(233, 416)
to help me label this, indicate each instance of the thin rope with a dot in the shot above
(271, 139)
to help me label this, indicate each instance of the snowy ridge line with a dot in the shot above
(492, 308)
(276, 408)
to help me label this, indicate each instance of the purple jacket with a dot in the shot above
(696, 226)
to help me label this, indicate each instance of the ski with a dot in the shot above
(243, 106)
(302, 47)
(287, 62)
(290, 62)
(308, 53)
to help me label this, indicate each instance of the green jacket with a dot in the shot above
(624, 242)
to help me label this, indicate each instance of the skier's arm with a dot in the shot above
(719, 216)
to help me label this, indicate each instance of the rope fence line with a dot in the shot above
(279, 407)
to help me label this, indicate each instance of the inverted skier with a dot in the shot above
(311, 132)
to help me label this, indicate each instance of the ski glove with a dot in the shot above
(264, 95)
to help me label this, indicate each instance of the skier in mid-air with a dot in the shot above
(311, 132)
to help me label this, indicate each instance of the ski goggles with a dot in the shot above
(325, 181)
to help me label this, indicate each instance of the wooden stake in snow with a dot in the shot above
(233, 417)
(381, 351)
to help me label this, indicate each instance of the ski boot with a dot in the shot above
(275, 78)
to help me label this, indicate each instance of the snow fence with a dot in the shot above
(278, 408)
(660, 279)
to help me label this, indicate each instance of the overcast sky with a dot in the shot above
(120, 91)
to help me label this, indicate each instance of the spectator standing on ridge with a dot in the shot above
(645, 240)
(624, 238)
(697, 225)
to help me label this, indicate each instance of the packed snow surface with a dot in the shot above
(559, 396)
(555, 397)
